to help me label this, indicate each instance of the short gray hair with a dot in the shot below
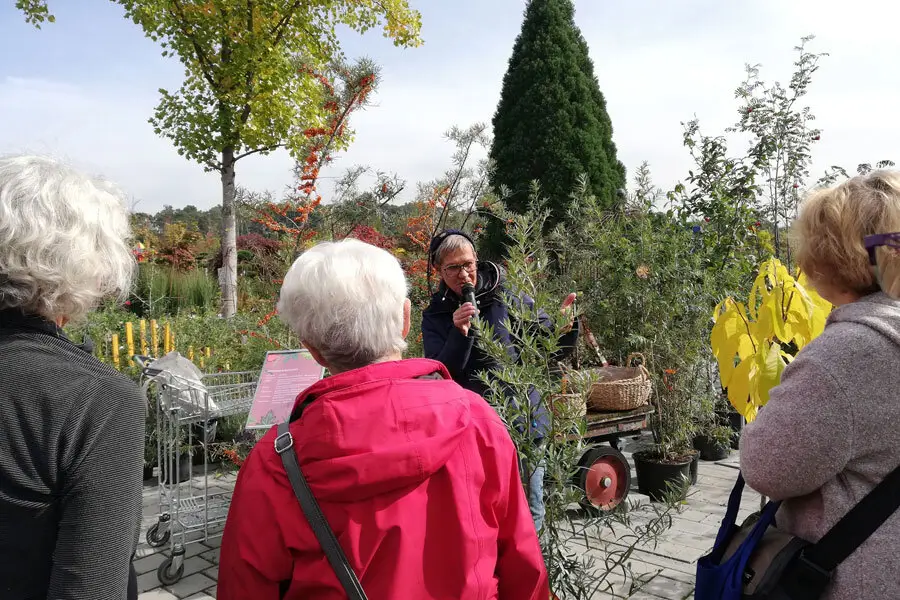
(452, 242)
(346, 300)
(63, 239)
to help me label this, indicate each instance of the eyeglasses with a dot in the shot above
(457, 269)
(873, 242)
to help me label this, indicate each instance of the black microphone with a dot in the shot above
(468, 292)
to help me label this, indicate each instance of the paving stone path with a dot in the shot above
(665, 569)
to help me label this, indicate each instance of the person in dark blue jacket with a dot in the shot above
(448, 336)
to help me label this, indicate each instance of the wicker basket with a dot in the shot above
(621, 388)
(568, 407)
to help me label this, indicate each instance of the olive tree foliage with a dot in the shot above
(587, 551)
(256, 77)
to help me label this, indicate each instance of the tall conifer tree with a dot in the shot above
(551, 124)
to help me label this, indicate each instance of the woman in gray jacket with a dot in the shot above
(831, 430)
(71, 428)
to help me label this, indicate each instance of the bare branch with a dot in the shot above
(258, 150)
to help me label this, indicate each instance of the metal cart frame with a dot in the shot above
(189, 511)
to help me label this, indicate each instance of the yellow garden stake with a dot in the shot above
(208, 352)
(115, 349)
(154, 337)
(750, 341)
(167, 339)
(143, 333)
(190, 353)
(202, 362)
(171, 339)
(129, 340)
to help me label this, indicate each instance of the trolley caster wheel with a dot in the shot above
(157, 536)
(167, 574)
(605, 477)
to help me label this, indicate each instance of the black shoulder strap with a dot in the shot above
(849, 533)
(284, 446)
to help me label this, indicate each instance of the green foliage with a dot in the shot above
(646, 289)
(36, 12)
(242, 89)
(719, 198)
(743, 198)
(835, 173)
(781, 135)
(574, 574)
(551, 124)
(258, 76)
(161, 290)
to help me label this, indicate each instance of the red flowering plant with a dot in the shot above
(292, 219)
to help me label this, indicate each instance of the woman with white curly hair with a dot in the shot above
(417, 477)
(71, 428)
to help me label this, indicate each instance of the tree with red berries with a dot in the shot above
(781, 138)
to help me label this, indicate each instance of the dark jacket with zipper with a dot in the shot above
(71, 468)
(461, 354)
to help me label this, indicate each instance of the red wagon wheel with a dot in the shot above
(605, 477)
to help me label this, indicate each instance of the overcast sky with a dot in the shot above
(83, 88)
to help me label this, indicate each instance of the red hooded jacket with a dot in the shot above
(419, 480)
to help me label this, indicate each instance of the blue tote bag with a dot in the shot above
(723, 573)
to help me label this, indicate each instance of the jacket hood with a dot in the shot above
(384, 427)
(489, 278)
(878, 312)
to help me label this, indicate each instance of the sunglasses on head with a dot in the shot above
(873, 242)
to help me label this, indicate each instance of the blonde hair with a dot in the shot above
(829, 233)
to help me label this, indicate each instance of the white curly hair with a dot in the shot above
(64, 239)
(346, 299)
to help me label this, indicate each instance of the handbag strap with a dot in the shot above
(284, 446)
(858, 524)
(731, 513)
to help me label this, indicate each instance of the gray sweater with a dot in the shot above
(71, 462)
(830, 433)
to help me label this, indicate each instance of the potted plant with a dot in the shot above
(715, 443)
(670, 462)
(714, 436)
(647, 291)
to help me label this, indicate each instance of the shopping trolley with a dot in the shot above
(187, 410)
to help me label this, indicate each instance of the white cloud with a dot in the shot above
(659, 63)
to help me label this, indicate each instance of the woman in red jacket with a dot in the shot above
(417, 476)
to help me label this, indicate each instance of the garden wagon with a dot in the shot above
(615, 406)
(604, 473)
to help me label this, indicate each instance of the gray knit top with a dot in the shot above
(71, 459)
(830, 433)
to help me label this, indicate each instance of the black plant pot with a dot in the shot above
(711, 449)
(656, 478)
